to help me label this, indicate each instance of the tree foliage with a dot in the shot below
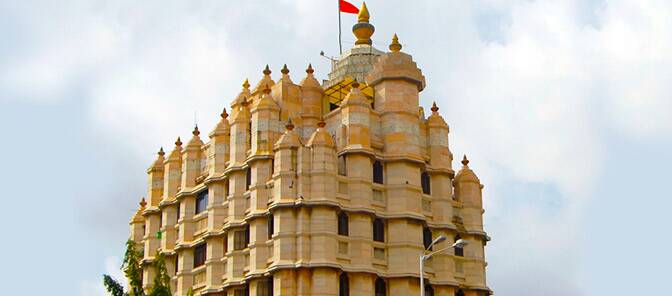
(161, 285)
(112, 286)
(132, 269)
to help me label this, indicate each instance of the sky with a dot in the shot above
(563, 107)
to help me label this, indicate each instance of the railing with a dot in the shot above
(199, 277)
(379, 253)
(201, 224)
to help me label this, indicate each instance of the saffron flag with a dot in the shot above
(347, 7)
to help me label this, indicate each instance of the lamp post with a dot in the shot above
(458, 244)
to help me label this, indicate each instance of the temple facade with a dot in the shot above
(332, 188)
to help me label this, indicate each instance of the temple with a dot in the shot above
(332, 188)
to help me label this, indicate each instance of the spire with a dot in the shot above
(363, 16)
(178, 143)
(143, 203)
(161, 153)
(225, 115)
(265, 81)
(395, 46)
(284, 70)
(223, 127)
(309, 80)
(246, 83)
(195, 140)
(363, 30)
(434, 108)
(195, 132)
(265, 101)
(465, 161)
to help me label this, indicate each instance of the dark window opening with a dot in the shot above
(429, 290)
(239, 240)
(179, 214)
(199, 255)
(332, 106)
(459, 293)
(459, 251)
(265, 287)
(377, 172)
(426, 237)
(343, 285)
(270, 226)
(378, 230)
(177, 263)
(426, 183)
(248, 178)
(343, 223)
(201, 201)
(381, 287)
(342, 166)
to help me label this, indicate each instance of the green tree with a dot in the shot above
(161, 285)
(132, 269)
(112, 286)
(190, 292)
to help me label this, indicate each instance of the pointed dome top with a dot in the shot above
(355, 97)
(266, 80)
(363, 15)
(363, 30)
(176, 154)
(242, 96)
(395, 46)
(158, 163)
(195, 140)
(285, 75)
(289, 139)
(241, 113)
(138, 218)
(466, 174)
(309, 81)
(143, 203)
(222, 127)
(321, 137)
(266, 101)
(178, 142)
(436, 119)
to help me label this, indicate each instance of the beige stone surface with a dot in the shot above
(281, 155)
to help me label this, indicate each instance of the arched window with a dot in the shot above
(459, 293)
(426, 237)
(459, 251)
(343, 285)
(425, 182)
(378, 230)
(270, 226)
(429, 290)
(377, 172)
(381, 287)
(343, 223)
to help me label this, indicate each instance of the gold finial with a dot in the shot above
(246, 84)
(267, 90)
(434, 107)
(465, 161)
(310, 70)
(355, 84)
(363, 30)
(321, 124)
(284, 70)
(178, 142)
(161, 153)
(224, 115)
(363, 16)
(143, 203)
(267, 70)
(195, 132)
(395, 46)
(290, 125)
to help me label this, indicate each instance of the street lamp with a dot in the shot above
(460, 243)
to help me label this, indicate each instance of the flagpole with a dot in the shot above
(340, 46)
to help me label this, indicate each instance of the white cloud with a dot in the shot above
(531, 104)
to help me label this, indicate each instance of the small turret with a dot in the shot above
(241, 138)
(355, 114)
(138, 223)
(311, 102)
(220, 144)
(265, 115)
(155, 180)
(468, 186)
(191, 160)
(440, 155)
(172, 168)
